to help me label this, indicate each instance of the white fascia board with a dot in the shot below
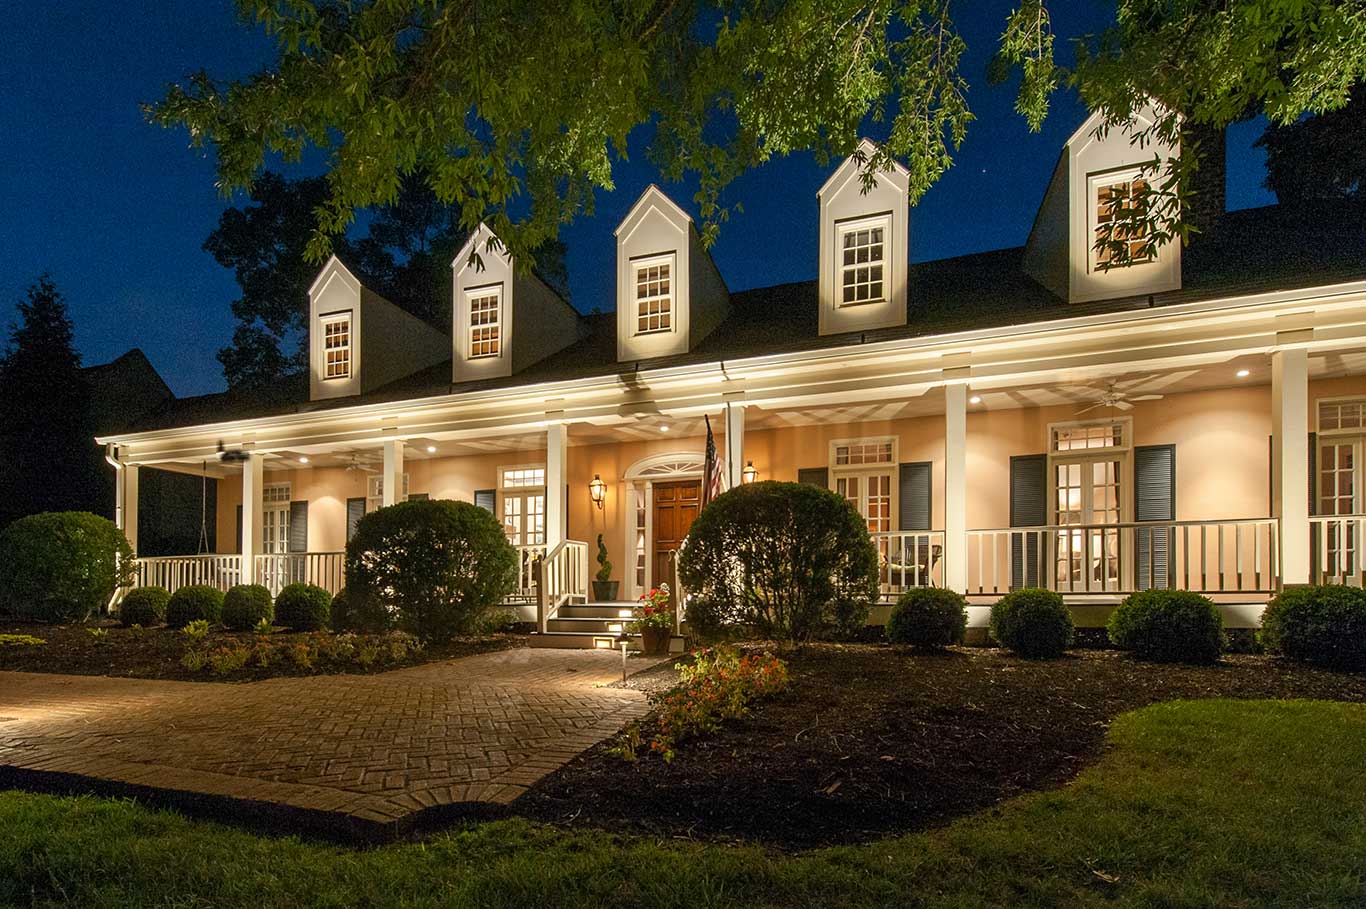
(654, 196)
(332, 265)
(869, 148)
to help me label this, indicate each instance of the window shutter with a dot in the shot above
(298, 526)
(916, 490)
(1154, 500)
(814, 476)
(1028, 508)
(237, 548)
(355, 510)
(418, 496)
(486, 499)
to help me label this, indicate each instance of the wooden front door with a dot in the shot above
(676, 506)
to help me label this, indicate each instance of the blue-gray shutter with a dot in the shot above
(1028, 508)
(355, 510)
(487, 499)
(1154, 500)
(814, 476)
(298, 526)
(237, 547)
(916, 487)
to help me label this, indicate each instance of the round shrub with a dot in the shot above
(190, 604)
(1323, 625)
(358, 614)
(1033, 622)
(245, 605)
(303, 607)
(62, 566)
(1168, 626)
(928, 618)
(436, 566)
(145, 606)
(785, 560)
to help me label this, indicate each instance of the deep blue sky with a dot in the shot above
(117, 209)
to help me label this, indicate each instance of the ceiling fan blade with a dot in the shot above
(1124, 405)
(1147, 398)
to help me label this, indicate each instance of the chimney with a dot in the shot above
(1207, 200)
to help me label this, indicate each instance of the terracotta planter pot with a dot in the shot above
(606, 591)
(653, 640)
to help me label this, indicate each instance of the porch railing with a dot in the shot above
(174, 572)
(528, 558)
(1237, 556)
(325, 569)
(1336, 552)
(909, 559)
(563, 578)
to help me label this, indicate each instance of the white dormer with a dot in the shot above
(1095, 179)
(502, 321)
(669, 294)
(359, 341)
(864, 243)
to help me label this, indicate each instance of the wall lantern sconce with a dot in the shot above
(597, 491)
(749, 474)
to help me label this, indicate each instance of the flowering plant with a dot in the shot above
(652, 611)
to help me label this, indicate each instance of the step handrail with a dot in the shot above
(562, 575)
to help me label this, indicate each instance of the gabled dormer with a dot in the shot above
(503, 320)
(669, 293)
(359, 341)
(1096, 179)
(864, 247)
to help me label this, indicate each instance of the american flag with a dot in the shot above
(713, 483)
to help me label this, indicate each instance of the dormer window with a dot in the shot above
(486, 320)
(654, 294)
(337, 345)
(862, 250)
(1117, 201)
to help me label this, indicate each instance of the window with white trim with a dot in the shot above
(1340, 483)
(1089, 464)
(336, 329)
(654, 294)
(862, 472)
(1342, 415)
(1119, 202)
(486, 322)
(375, 499)
(863, 261)
(275, 518)
(523, 507)
(1086, 436)
(521, 477)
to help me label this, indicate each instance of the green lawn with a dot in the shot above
(1209, 803)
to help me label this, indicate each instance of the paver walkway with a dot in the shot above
(367, 752)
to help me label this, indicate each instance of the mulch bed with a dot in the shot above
(870, 741)
(154, 653)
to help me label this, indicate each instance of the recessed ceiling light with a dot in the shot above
(975, 399)
(303, 459)
(664, 427)
(1244, 373)
(431, 449)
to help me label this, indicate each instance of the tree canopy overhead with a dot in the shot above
(515, 113)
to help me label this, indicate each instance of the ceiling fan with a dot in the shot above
(368, 465)
(1116, 396)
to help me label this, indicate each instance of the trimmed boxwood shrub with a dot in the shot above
(358, 614)
(1033, 622)
(783, 560)
(62, 566)
(928, 618)
(246, 604)
(436, 565)
(303, 607)
(190, 604)
(145, 606)
(1323, 625)
(1168, 626)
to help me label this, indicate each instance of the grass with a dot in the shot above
(1196, 803)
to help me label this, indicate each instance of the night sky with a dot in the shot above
(117, 209)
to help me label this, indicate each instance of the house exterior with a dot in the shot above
(1034, 416)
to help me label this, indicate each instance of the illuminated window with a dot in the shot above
(337, 345)
(521, 477)
(1119, 234)
(486, 322)
(1089, 436)
(375, 500)
(654, 295)
(1336, 415)
(863, 259)
(874, 451)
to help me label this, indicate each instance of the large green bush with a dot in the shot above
(145, 606)
(785, 560)
(192, 603)
(1168, 626)
(1033, 622)
(303, 607)
(359, 614)
(1324, 625)
(928, 618)
(62, 566)
(244, 605)
(437, 566)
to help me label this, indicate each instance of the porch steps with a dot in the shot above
(588, 626)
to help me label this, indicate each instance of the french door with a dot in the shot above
(1339, 493)
(524, 517)
(1088, 494)
(871, 496)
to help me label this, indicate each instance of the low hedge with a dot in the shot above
(62, 566)
(928, 618)
(145, 606)
(1323, 625)
(303, 607)
(190, 604)
(1168, 626)
(1033, 622)
(247, 604)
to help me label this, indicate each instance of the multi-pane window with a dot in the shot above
(515, 477)
(1120, 236)
(654, 296)
(1081, 438)
(863, 262)
(1342, 415)
(486, 319)
(375, 500)
(524, 504)
(337, 346)
(878, 451)
(275, 515)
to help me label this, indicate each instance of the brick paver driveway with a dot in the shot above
(360, 752)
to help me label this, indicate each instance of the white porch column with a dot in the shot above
(127, 505)
(253, 476)
(556, 508)
(1290, 460)
(393, 473)
(735, 445)
(955, 488)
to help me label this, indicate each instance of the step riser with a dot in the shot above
(592, 612)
